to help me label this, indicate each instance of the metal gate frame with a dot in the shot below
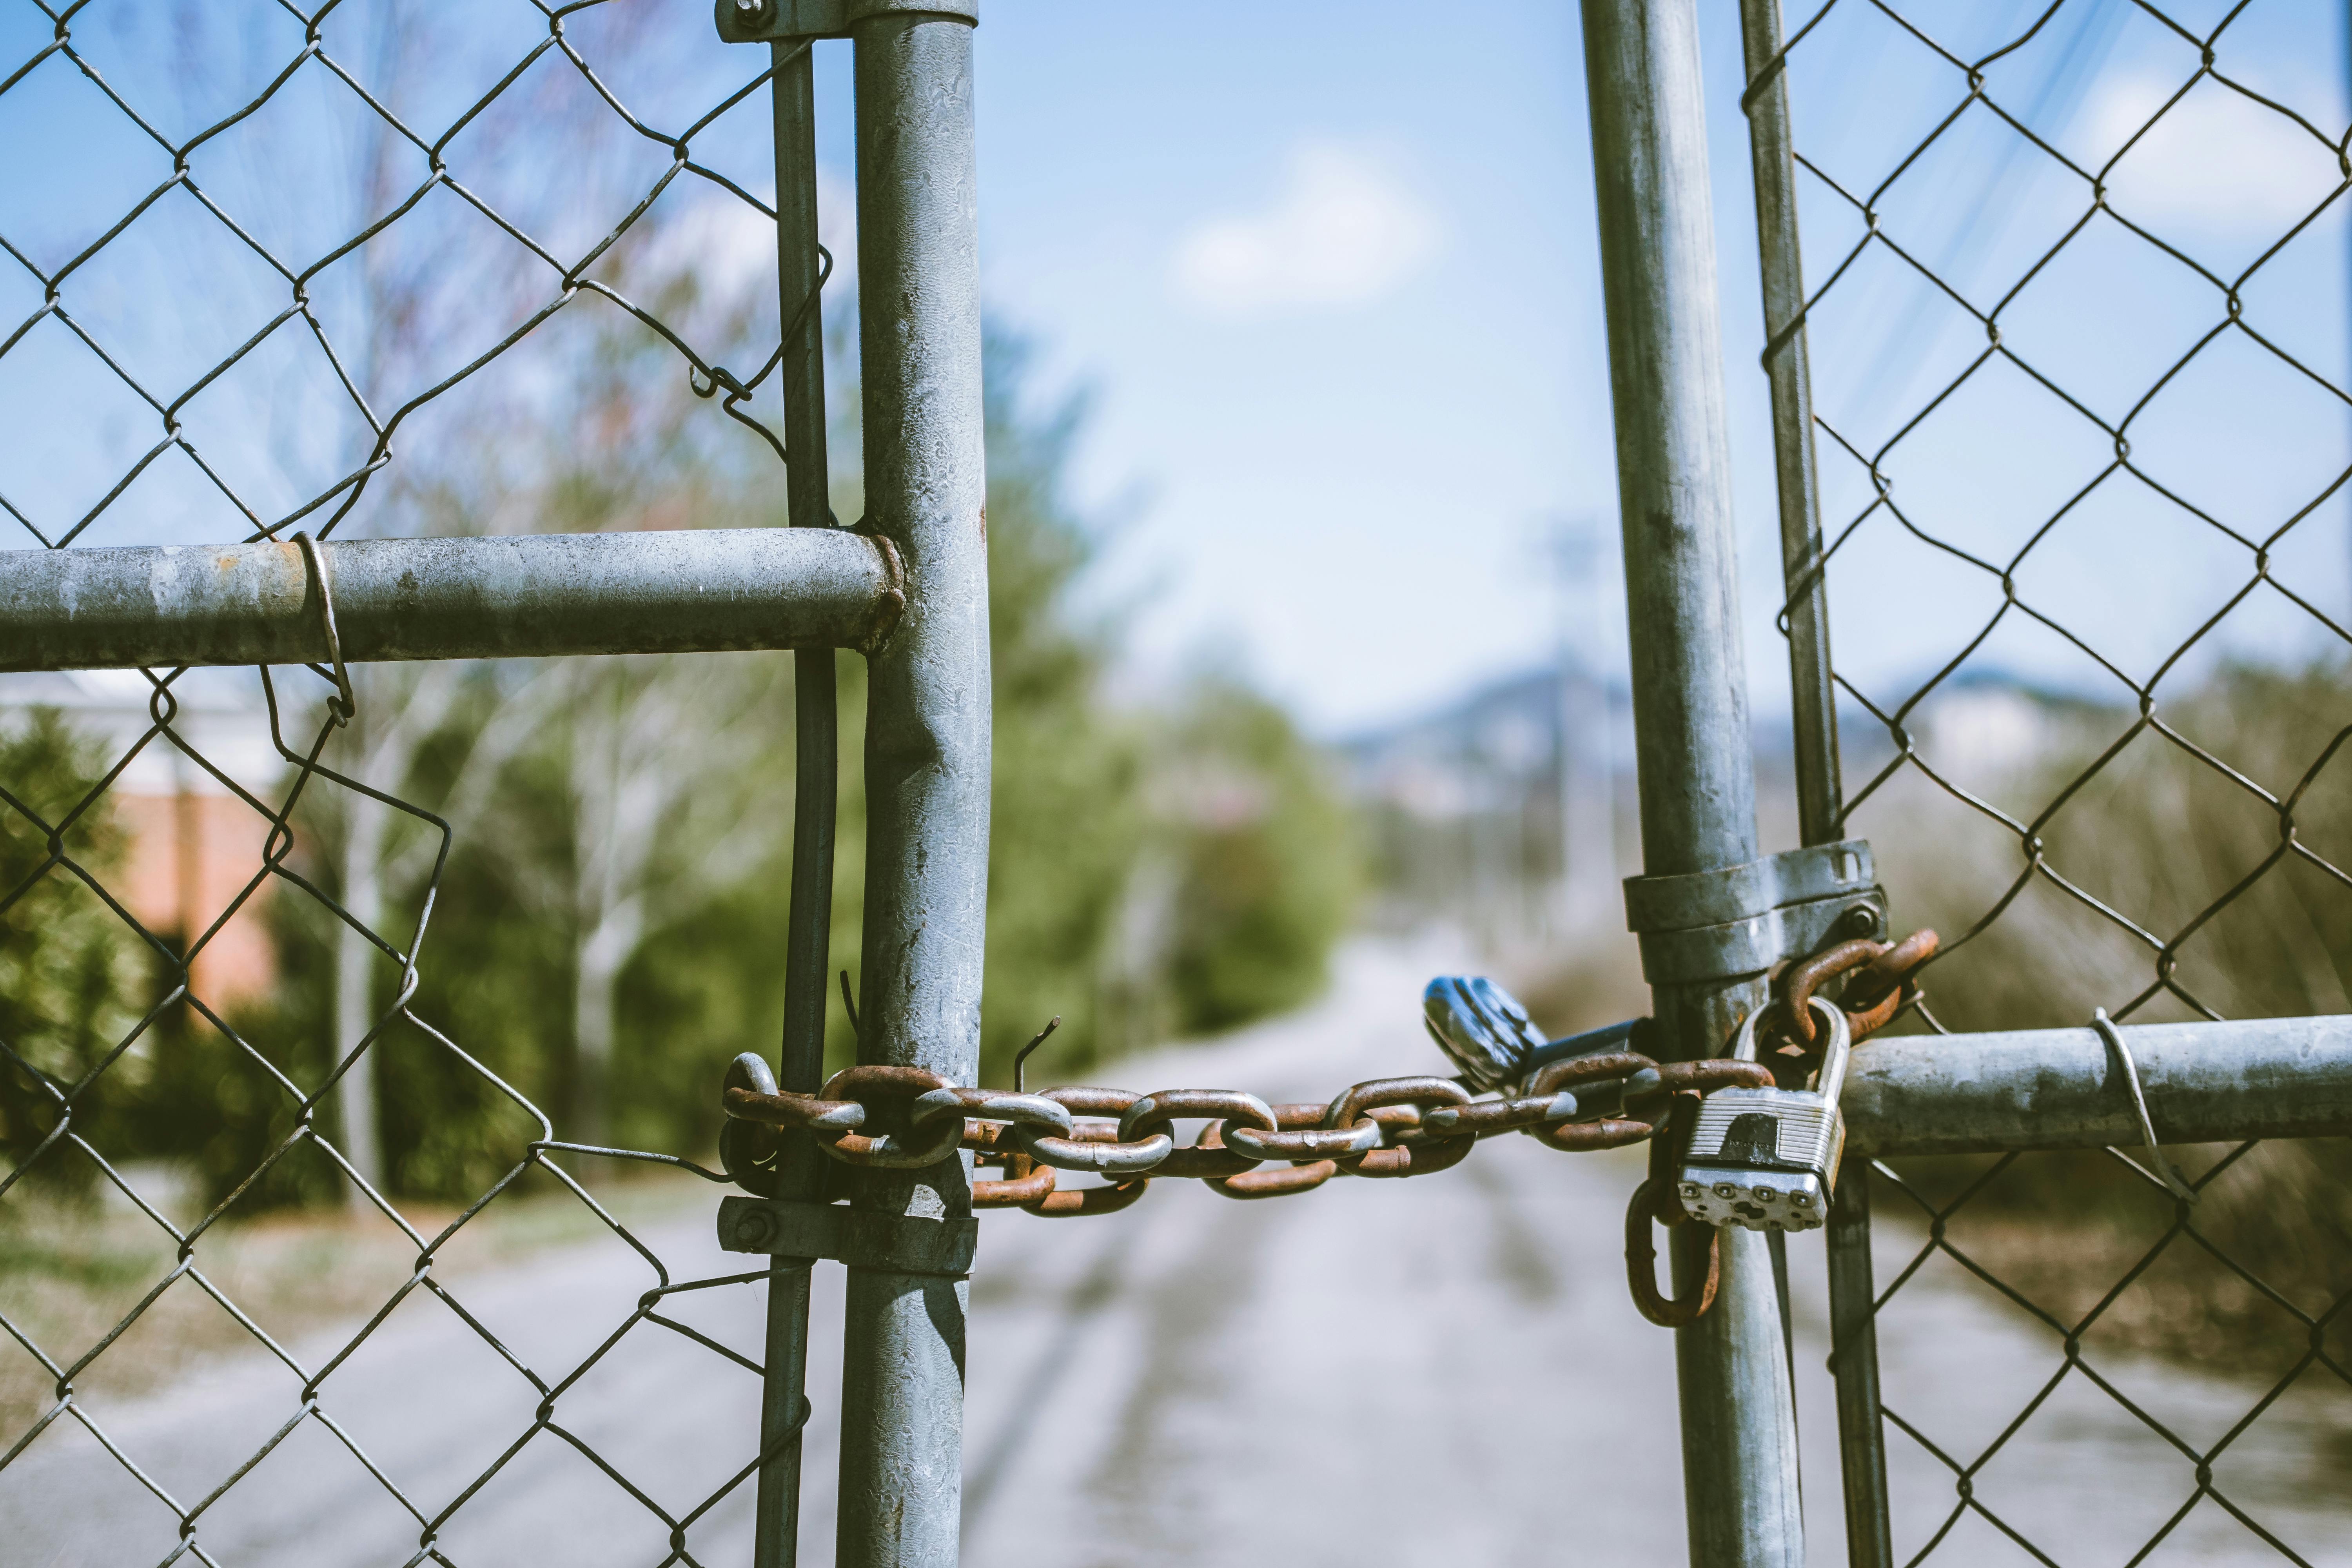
(909, 587)
(1985, 1093)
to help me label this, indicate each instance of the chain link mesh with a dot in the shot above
(244, 326)
(2076, 274)
(270, 269)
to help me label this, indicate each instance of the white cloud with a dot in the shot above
(836, 227)
(2216, 160)
(731, 249)
(725, 245)
(1343, 230)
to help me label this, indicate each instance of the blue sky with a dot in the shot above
(1330, 275)
(1350, 467)
(1329, 272)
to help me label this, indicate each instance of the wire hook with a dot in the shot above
(1021, 1060)
(343, 705)
(850, 1002)
(2164, 1168)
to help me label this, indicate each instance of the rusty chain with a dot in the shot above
(905, 1118)
(1248, 1148)
(1387, 1128)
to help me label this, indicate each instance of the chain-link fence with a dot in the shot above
(2072, 295)
(334, 282)
(373, 272)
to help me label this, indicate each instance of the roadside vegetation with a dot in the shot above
(619, 866)
(2170, 840)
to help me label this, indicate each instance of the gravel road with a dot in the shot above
(1440, 1369)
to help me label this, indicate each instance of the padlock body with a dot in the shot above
(1763, 1158)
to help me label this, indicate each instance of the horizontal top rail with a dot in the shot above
(787, 21)
(503, 596)
(2065, 1089)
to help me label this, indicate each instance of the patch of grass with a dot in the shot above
(71, 1270)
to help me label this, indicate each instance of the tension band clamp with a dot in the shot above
(862, 1238)
(1743, 920)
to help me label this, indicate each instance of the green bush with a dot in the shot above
(1268, 855)
(70, 969)
(1065, 808)
(1236, 864)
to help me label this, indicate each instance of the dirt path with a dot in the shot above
(1441, 1370)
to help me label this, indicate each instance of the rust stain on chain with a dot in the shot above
(1247, 1149)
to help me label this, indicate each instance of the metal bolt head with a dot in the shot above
(1861, 919)
(1726, 1190)
(1764, 1194)
(1803, 1200)
(754, 12)
(1690, 1189)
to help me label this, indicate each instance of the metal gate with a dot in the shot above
(907, 586)
(1954, 122)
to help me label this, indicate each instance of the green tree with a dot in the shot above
(1066, 812)
(70, 966)
(1241, 842)
(1269, 856)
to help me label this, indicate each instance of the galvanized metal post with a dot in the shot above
(1853, 1336)
(1789, 366)
(815, 786)
(1690, 710)
(927, 753)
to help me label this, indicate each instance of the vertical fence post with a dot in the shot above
(1853, 1335)
(927, 753)
(815, 786)
(1690, 706)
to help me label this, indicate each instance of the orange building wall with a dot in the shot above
(189, 857)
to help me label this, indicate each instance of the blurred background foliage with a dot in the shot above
(68, 979)
(609, 925)
(2196, 858)
(1264, 853)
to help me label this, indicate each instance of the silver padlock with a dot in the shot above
(1767, 1158)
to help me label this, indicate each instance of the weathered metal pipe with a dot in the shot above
(816, 785)
(1820, 804)
(504, 596)
(2064, 1089)
(1853, 1364)
(1692, 748)
(926, 757)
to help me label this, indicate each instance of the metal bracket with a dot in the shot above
(1743, 920)
(788, 21)
(862, 1238)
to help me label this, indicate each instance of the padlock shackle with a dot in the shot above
(1834, 1053)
